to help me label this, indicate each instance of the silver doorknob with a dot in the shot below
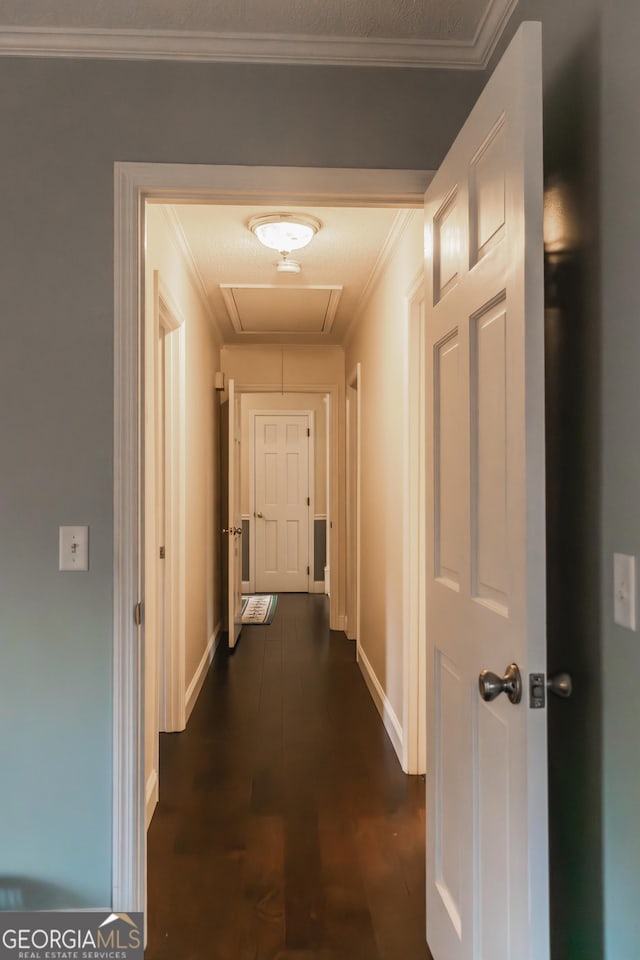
(560, 684)
(237, 531)
(227, 530)
(258, 514)
(491, 685)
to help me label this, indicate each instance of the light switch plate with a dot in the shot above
(624, 590)
(74, 548)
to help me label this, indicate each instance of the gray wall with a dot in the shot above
(620, 148)
(63, 124)
(592, 140)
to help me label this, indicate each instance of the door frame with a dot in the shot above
(311, 437)
(134, 184)
(414, 702)
(354, 473)
(172, 708)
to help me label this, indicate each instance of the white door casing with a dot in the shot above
(487, 856)
(133, 184)
(414, 717)
(233, 530)
(171, 325)
(354, 393)
(282, 501)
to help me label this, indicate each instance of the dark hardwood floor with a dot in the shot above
(286, 829)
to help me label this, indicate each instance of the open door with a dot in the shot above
(232, 531)
(487, 848)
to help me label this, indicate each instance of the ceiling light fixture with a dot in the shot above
(288, 265)
(284, 232)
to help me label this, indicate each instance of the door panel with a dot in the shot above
(487, 862)
(281, 495)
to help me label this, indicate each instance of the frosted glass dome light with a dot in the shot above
(284, 232)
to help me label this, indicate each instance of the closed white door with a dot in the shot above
(487, 860)
(282, 502)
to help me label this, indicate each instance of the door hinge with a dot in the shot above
(138, 614)
(308, 501)
(163, 553)
(308, 571)
(308, 431)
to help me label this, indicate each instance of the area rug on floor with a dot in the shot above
(259, 607)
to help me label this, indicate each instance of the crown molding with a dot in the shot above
(183, 247)
(400, 224)
(205, 47)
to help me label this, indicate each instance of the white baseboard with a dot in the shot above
(316, 586)
(78, 910)
(341, 623)
(151, 795)
(391, 723)
(194, 688)
(246, 586)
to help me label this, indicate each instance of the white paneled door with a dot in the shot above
(281, 502)
(487, 859)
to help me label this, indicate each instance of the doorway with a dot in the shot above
(402, 189)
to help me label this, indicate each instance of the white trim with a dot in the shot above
(168, 314)
(77, 910)
(193, 690)
(246, 587)
(341, 623)
(382, 702)
(152, 794)
(133, 183)
(98, 43)
(354, 488)
(311, 186)
(328, 495)
(400, 223)
(182, 245)
(414, 546)
(316, 586)
(129, 800)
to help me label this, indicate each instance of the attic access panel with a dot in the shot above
(267, 309)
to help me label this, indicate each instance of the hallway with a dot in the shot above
(286, 829)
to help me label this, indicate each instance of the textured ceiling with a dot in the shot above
(346, 252)
(433, 20)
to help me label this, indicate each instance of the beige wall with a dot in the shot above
(283, 369)
(288, 401)
(202, 548)
(378, 343)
